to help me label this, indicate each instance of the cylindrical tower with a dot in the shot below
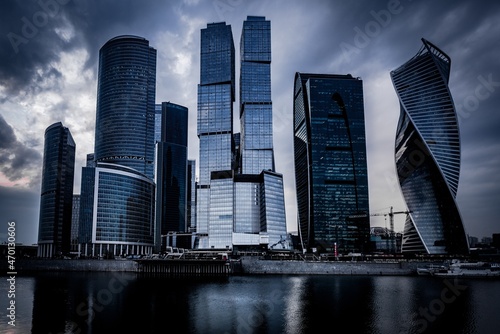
(126, 103)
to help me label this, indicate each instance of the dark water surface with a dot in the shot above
(133, 303)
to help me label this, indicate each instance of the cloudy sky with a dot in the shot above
(48, 67)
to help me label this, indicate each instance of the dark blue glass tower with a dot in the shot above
(330, 162)
(54, 231)
(427, 154)
(171, 170)
(125, 117)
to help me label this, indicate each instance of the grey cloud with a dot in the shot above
(29, 32)
(21, 206)
(15, 158)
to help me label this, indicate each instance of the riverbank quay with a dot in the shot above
(256, 266)
(30, 265)
(244, 265)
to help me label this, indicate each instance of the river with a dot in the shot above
(107, 302)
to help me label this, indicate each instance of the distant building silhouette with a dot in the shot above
(75, 222)
(54, 229)
(330, 162)
(427, 154)
(191, 196)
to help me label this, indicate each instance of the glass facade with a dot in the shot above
(215, 116)
(247, 204)
(256, 114)
(75, 222)
(330, 162)
(118, 191)
(125, 119)
(240, 200)
(54, 231)
(220, 226)
(191, 196)
(87, 190)
(427, 154)
(273, 207)
(122, 215)
(157, 137)
(171, 169)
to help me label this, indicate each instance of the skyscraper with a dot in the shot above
(171, 170)
(215, 115)
(330, 162)
(259, 209)
(117, 193)
(126, 103)
(54, 230)
(427, 154)
(256, 113)
(240, 198)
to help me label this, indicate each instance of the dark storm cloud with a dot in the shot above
(28, 40)
(32, 33)
(15, 158)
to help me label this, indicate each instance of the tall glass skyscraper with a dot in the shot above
(126, 103)
(256, 113)
(215, 115)
(171, 170)
(330, 162)
(427, 154)
(117, 193)
(259, 211)
(54, 229)
(240, 198)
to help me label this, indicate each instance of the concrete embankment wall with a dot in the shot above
(254, 266)
(27, 265)
(248, 265)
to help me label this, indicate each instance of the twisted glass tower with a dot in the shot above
(427, 154)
